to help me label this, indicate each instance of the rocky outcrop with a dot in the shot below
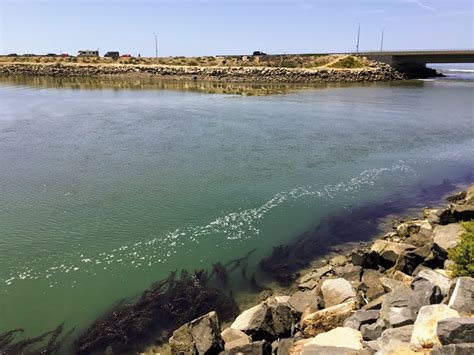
(424, 332)
(455, 330)
(337, 291)
(381, 72)
(462, 295)
(360, 318)
(234, 338)
(200, 336)
(269, 320)
(389, 251)
(327, 319)
(447, 236)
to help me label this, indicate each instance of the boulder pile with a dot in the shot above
(379, 72)
(394, 296)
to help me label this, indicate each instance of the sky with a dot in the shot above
(212, 27)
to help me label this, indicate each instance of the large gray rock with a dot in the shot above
(462, 295)
(302, 300)
(349, 272)
(436, 279)
(373, 331)
(337, 291)
(426, 292)
(371, 284)
(390, 251)
(405, 297)
(455, 330)
(422, 227)
(261, 347)
(439, 216)
(463, 212)
(454, 349)
(256, 322)
(268, 321)
(448, 236)
(200, 336)
(284, 318)
(365, 258)
(390, 284)
(424, 332)
(233, 338)
(400, 316)
(327, 319)
(402, 334)
(338, 337)
(401, 306)
(360, 318)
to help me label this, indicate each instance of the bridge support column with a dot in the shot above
(415, 70)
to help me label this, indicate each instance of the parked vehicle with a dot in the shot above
(259, 53)
(113, 55)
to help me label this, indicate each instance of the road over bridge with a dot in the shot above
(414, 62)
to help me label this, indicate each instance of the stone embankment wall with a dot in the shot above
(380, 72)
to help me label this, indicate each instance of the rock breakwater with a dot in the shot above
(380, 72)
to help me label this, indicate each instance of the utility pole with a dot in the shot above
(156, 45)
(381, 41)
(358, 38)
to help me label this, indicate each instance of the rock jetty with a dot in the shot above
(396, 295)
(377, 72)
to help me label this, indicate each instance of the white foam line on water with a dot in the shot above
(235, 227)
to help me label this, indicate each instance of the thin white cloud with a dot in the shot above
(421, 4)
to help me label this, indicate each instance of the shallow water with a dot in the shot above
(105, 190)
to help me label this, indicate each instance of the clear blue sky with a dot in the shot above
(210, 27)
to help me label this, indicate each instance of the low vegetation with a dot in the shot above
(307, 61)
(463, 254)
(348, 62)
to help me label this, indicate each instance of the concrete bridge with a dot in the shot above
(413, 63)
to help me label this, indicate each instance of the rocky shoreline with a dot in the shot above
(396, 295)
(378, 72)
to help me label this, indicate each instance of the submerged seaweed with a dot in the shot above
(27, 346)
(163, 307)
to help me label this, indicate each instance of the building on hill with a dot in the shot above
(88, 53)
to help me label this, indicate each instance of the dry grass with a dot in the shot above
(308, 61)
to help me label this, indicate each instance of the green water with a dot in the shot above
(106, 189)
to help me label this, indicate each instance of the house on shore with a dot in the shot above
(88, 53)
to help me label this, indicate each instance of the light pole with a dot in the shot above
(358, 38)
(156, 45)
(381, 41)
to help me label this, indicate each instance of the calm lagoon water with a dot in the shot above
(105, 190)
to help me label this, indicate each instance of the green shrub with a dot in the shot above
(288, 64)
(349, 62)
(463, 254)
(193, 63)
